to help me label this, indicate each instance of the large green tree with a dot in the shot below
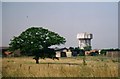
(36, 39)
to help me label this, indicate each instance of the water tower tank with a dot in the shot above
(84, 39)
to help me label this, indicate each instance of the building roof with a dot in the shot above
(61, 49)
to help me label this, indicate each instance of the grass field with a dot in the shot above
(65, 67)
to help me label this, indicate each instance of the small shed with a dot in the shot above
(69, 53)
(58, 54)
(63, 52)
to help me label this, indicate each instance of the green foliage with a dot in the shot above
(71, 48)
(34, 39)
(87, 48)
(103, 51)
(79, 51)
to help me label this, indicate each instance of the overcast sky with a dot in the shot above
(65, 18)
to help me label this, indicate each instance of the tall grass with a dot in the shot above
(0, 67)
(65, 67)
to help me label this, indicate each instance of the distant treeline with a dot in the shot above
(103, 51)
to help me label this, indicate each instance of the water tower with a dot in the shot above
(84, 39)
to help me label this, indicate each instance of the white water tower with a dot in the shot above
(84, 39)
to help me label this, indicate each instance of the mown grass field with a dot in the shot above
(97, 66)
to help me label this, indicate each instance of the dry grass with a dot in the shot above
(0, 68)
(65, 67)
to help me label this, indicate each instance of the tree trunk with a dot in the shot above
(37, 61)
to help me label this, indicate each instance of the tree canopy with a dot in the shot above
(87, 48)
(34, 39)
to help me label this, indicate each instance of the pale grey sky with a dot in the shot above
(0, 23)
(60, 0)
(119, 25)
(65, 18)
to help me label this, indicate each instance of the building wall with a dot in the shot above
(58, 54)
(69, 54)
